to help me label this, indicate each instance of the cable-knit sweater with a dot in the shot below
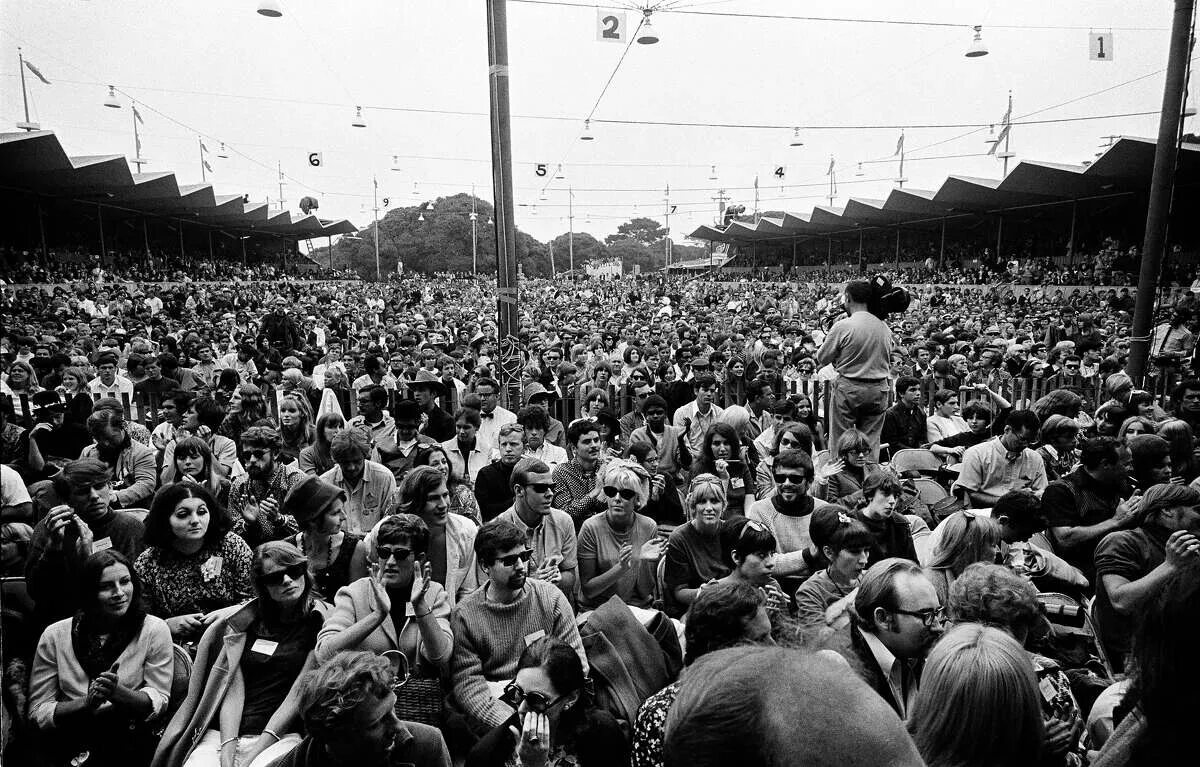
(489, 638)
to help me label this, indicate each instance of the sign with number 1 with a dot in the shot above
(610, 26)
(1100, 46)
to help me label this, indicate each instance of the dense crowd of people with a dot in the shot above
(273, 523)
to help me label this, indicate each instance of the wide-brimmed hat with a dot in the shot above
(310, 498)
(428, 380)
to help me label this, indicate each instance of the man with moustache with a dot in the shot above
(256, 497)
(495, 623)
(787, 514)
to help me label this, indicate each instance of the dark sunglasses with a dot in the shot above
(258, 454)
(624, 492)
(540, 487)
(794, 479)
(385, 553)
(538, 703)
(512, 559)
(295, 572)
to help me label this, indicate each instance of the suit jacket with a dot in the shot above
(440, 425)
(863, 660)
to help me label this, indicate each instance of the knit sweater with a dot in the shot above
(489, 638)
(790, 530)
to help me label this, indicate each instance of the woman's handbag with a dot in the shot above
(418, 698)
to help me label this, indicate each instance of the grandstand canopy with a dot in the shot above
(35, 163)
(1123, 169)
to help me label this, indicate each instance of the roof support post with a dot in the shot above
(100, 221)
(897, 247)
(942, 248)
(829, 255)
(1071, 241)
(999, 236)
(42, 232)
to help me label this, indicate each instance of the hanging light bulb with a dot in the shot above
(991, 136)
(414, 191)
(270, 8)
(587, 131)
(223, 153)
(977, 48)
(396, 163)
(359, 122)
(647, 35)
(796, 139)
(111, 100)
(560, 175)
(859, 172)
(712, 174)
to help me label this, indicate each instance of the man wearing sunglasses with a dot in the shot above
(496, 622)
(787, 514)
(550, 532)
(897, 617)
(256, 496)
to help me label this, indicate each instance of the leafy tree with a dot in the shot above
(644, 230)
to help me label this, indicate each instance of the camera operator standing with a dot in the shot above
(860, 349)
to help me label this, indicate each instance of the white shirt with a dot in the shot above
(120, 385)
(549, 454)
(488, 435)
(12, 490)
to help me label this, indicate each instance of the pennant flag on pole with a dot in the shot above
(202, 147)
(1003, 134)
(756, 183)
(830, 171)
(899, 145)
(138, 115)
(37, 73)
(207, 167)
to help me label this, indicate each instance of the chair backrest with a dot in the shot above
(929, 491)
(915, 460)
(14, 595)
(181, 675)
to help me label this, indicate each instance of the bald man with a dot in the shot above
(768, 706)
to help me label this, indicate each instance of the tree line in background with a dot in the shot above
(442, 242)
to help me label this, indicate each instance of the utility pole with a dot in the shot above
(667, 241)
(374, 181)
(281, 182)
(1006, 155)
(137, 138)
(833, 180)
(505, 218)
(474, 235)
(1158, 211)
(721, 199)
(571, 231)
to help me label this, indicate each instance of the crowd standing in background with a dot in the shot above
(311, 522)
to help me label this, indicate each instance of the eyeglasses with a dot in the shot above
(294, 572)
(511, 559)
(794, 479)
(538, 703)
(540, 487)
(385, 553)
(256, 454)
(624, 492)
(930, 617)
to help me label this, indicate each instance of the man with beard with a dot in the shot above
(549, 531)
(369, 487)
(575, 490)
(256, 497)
(349, 714)
(896, 619)
(130, 463)
(1085, 505)
(787, 514)
(84, 524)
(496, 622)
(1133, 566)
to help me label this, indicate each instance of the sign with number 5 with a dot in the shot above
(610, 26)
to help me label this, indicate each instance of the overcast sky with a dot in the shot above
(276, 89)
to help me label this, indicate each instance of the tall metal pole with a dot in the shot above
(505, 218)
(27, 125)
(942, 248)
(571, 231)
(474, 235)
(667, 240)
(1161, 184)
(203, 176)
(100, 221)
(1071, 242)
(374, 181)
(281, 205)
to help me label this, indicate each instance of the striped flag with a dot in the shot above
(899, 145)
(37, 72)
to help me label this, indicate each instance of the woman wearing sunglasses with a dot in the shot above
(245, 684)
(397, 608)
(840, 481)
(556, 722)
(192, 564)
(620, 548)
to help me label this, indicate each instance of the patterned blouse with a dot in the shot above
(464, 502)
(178, 584)
(648, 728)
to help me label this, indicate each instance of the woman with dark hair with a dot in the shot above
(247, 407)
(1165, 690)
(748, 548)
(102, 676)
(228, 381)
(192, 565)
(397, 608)
(845, 543)
(841, 480)
(556, 722)
(1151, 461)
(632, 358)
(734, 387)
(722, 455)
(424, 494)
(242, 698)
(316, 458)
(462, 500)
(807, 416)
(335, 556)
(1183, 449)
(193, 461)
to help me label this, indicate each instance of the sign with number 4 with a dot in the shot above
(610, 26)
(780, 172)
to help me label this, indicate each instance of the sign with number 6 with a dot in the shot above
(610, 26)
(316, 159)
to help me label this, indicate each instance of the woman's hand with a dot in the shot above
(383, 603)
(229, 754)
(651, 550)
(108, 688)
(422, 576)
(722, 467)
(826, 472)
(1059, 735)
(625, 556)
(533, 748)
(185, 625)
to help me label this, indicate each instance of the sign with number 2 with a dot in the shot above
(610, 26)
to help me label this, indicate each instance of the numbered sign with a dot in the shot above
(386, 201)
(610, 26)
(1100, 46)
(780, 172)
(540, 170)
(316, 159)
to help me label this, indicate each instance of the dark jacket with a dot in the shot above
(418, 744)
(440, 426)
(863, 661)
(494, 490)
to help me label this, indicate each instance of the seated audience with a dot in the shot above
(619, 549)
(451, 536)
(845, 544)
(335, 557)
(369, 487)
(693, 555)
